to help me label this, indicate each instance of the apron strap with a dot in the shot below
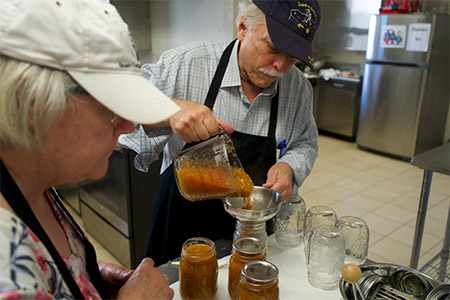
(218, 75)
(91, 257)
(15, 198)
(10, 191)
(274, 114)
(217, 81)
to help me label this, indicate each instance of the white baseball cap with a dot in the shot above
(89, 40)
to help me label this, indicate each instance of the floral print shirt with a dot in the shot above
(27, 270)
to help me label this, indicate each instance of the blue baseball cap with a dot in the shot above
(292, 25)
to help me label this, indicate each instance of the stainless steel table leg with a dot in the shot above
(445, 251)
(420, 223)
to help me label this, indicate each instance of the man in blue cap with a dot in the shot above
(254, 93)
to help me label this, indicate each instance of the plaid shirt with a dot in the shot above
(186, 73)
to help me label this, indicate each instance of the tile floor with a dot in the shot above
(383, 191)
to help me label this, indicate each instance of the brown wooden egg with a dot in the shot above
(351, 273)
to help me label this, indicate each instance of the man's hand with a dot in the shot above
(279, 179)
(195, 122)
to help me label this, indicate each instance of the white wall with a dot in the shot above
(176, 22)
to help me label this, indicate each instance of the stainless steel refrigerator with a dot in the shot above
(405, 91)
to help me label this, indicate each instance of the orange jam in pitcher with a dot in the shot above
(211, 170)
(201, 177)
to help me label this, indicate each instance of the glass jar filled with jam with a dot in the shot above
(258, 281)
(198, 269)
(245, 249)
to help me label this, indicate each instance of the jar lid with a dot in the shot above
(249, 245)
(441, 292)
(260, 271)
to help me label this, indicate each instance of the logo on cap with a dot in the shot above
(304, 17)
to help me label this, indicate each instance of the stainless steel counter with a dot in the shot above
(435, 160)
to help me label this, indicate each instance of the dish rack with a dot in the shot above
(389, 281)
(437, 267)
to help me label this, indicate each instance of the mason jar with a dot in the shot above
(198, 269)
(289, 222)
(256, 229)
(245, 249)
(259, 280)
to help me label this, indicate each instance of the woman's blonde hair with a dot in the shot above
(253, 15)
(32, 99)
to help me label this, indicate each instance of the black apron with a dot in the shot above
(176, 219)
(16, 200)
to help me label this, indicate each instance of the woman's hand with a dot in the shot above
(113, 276)
(146, 282)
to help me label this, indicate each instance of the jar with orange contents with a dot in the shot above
(245, 249)
(211, 170)
(258, 281)
(198, 269)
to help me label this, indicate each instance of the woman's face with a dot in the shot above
(83, 140)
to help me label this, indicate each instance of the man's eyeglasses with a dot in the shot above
(79, 90)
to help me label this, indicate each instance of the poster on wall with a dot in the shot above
(418, 37)
(393, 36)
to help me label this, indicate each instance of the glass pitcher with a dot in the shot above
(211, 170)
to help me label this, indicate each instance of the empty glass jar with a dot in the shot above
(316, 216)
(325, 257)
(256, 229)
(289, 222)
(356, 234)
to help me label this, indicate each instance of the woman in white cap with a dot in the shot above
(70, 84)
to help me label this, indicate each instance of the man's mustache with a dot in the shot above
(273, 73)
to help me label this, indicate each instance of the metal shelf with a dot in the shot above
(438, 267)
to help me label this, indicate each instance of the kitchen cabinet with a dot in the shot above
(117, 208)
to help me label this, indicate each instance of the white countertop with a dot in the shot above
(293, 282)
